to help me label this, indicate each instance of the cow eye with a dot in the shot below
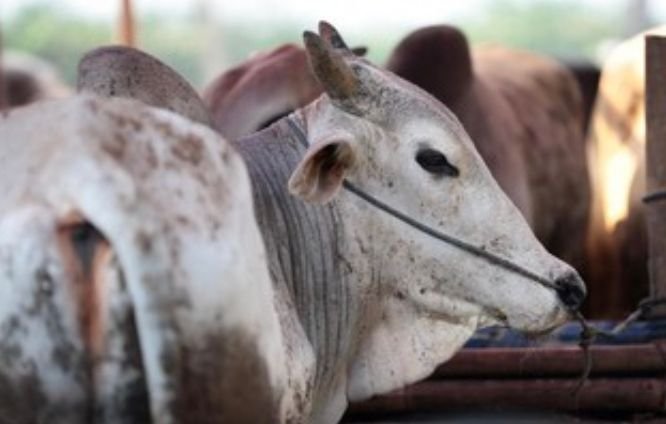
(436, 163)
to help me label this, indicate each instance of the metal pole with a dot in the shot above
(655, 97)
(604, 395)
(560, 361)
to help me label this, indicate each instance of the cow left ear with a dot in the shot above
(320, 174)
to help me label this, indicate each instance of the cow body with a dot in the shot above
(377, 305)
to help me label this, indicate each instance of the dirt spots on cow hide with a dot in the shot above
(221, 379)
(144, 242)
(20, 399)
(189, 149)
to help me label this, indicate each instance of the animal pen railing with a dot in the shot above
(627, 377)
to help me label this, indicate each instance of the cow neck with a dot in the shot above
(303, 243)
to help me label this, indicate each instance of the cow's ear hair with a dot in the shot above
(320, 174)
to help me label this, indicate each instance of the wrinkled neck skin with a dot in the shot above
(350, 333)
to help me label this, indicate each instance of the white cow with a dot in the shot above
(130, 275)
(388, 244)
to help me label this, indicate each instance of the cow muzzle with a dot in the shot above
(571, 290)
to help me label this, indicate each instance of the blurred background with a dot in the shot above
(201, 38)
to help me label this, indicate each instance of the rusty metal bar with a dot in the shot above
(597, 395)
(655, 99)
(557, 361)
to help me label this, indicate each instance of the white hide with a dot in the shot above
(173, 201)
(430, 296)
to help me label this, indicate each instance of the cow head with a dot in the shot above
(132, 284)
(395, 142)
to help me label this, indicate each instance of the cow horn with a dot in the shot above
(330, 68)
(331, 35)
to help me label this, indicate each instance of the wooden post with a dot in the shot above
(4, 97)
(655, 98)
(126, 33)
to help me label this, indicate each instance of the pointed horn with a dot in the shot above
(331, 35)
(330, 68)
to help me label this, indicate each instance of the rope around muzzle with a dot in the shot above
(589, 333)
(446, 238)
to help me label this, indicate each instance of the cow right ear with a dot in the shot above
(320, 174)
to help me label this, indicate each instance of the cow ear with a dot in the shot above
(320, 174)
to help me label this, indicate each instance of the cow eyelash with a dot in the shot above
(436, 163)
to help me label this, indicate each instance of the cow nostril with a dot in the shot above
(571, 290)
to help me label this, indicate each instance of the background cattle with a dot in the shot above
(28, 79)
(261, 90)
(616, 143)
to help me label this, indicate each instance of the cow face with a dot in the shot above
(132, 284)
(396, 143)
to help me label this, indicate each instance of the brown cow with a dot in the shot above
(616, 154)
(524, 113)
(271, 85)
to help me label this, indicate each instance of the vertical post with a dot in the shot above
(4, 96)
(655, 103)
(126, 33)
